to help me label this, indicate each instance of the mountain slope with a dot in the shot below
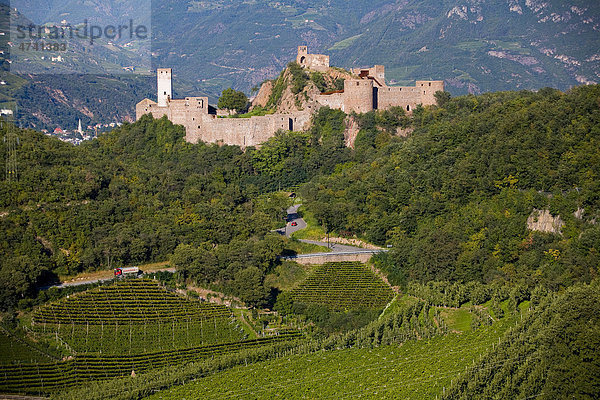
(474, 45)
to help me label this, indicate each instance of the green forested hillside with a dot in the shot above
(454, 198)
(136, 193)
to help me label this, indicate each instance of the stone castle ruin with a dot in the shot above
(364, 90)
(317, 62)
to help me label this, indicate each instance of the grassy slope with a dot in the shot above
(293, 246)
(415, 370)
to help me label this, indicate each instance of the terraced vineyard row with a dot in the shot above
(419, 369)
(343, 286)
(13, 351)
(142, 338)
(134, 301)
(44, 378)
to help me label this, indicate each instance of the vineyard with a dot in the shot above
(411, 322)
(416, 370)
(131, 301)
(47, 377)
(133, 325)
(343, 286)
(14, 350)
(135, 316)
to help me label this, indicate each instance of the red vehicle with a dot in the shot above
(294, 223)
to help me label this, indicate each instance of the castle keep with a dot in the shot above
(364, 92)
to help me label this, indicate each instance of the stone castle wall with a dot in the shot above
(405, 97)
(377, 72)
(244, 132)
(363, 94)
(334, 100)
(192, 113)
(358, 96)
(429, 88)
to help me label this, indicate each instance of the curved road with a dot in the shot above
(290, 228)
(292, 217)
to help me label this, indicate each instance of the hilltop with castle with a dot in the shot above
(363, 90)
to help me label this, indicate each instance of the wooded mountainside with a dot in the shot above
(452, 199)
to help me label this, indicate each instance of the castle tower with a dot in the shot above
(379, 74)
(163, 76)
(358, 95)
(428, 89)
(301, 58)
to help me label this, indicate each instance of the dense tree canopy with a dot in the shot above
(453, 199)
(137, 193)
(233, 100)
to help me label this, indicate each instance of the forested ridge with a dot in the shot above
(454, 198)
(137, 193)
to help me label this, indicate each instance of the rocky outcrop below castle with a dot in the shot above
(297, 89)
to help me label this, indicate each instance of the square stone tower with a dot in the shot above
(317, 62)
(163, 76)
(302, 56)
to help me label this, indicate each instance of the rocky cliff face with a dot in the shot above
(543, 221)
(279, 93)
(262, 97)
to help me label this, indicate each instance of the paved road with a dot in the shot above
(88, 281)
(292, 216)
(335, 254)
